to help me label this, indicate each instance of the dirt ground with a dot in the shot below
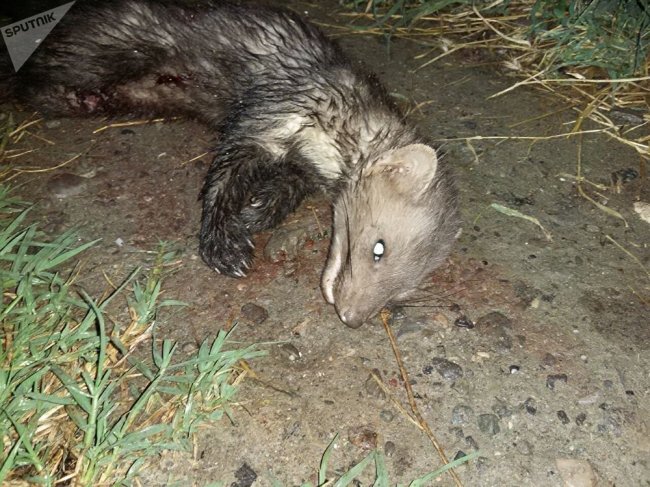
(556, 368)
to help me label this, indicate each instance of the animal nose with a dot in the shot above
(351, 318)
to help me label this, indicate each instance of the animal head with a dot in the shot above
(393, 225)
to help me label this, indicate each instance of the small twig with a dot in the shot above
(540, 117)
(131, 124)
(194, 158)
(473, 151)
(48, 169)
(385, 314)
(320, 227)
(629, 254)
(522, 137)
(522, 42)
(10, 153)
(23, 126)
(582, 179)
(394, 400)
(533, 81)
(40, 137)
(518, 214)
(582, 193)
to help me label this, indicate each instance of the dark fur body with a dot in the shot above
(293, 114)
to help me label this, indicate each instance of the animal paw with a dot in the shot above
(228, 249)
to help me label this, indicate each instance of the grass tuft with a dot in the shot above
(80, 401)
(381, 478)
(613, 35)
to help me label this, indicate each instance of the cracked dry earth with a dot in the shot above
(534, 351)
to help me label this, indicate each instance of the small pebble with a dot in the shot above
(524, 447)
(389, 448)
(514, 369)
(458, 432)
(502, 410)
(503, 344)
(464, 322)
(581, 418)
(386, 415)
(301, 328)
(285, 243)
(549, 360)
(482, 465)
(624, 175)
(363, 437)
(626, 116)
(611, 424)
(576, 473)
(460, 454)
(604, 406)
(494, 319)
(489, 424)
(290, 351)
(471, 442)
(590, 399)
(462, 388)
(554, 379)
(373, 388)
(499, 327)
(254, 313)
(52, 124)
(530, 406)
(245, 476)
(448, 370)
(461, 414)
(563, 417)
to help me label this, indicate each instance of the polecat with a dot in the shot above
(294, 115)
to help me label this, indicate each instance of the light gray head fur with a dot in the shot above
(393, 225)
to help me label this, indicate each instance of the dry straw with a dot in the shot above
(592, 55)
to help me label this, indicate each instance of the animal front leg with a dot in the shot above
(277, 191)
(225, 240)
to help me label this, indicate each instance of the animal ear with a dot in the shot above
(410, 168)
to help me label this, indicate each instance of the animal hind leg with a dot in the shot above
(93, 84)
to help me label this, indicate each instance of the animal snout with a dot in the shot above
(351, 317)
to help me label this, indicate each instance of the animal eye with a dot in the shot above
(378, 250)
